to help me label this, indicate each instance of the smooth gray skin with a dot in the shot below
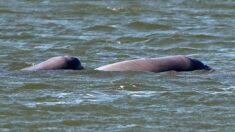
(175, 63)
(55, 63)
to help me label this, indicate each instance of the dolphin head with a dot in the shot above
(198, 65)
(73, 63)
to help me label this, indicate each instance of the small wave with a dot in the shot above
(20, 36)
(107, 28)
(182, 49)
(100, 96)
(220, 5)
(205, 36)
(35, 86)
(141, 94)
(5, 10)
(131, 39)
(148, 26)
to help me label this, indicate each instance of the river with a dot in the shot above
(101, 32)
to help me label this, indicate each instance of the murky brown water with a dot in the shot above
(101, 32)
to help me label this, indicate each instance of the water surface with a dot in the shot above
(102, 32)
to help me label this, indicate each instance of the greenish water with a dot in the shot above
(102, 32)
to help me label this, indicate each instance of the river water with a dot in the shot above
(105, 31)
